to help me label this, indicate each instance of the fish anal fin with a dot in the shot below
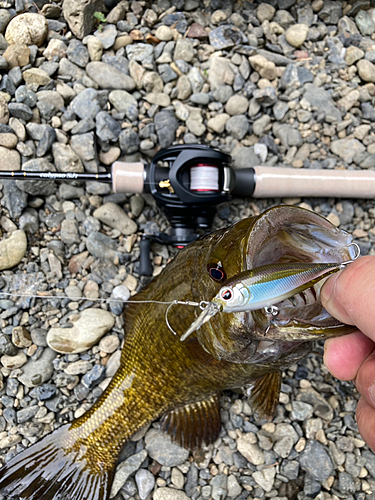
(264, 395)
(195, 424)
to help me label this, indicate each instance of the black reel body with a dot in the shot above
(187, 182)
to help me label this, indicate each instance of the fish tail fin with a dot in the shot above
(52, 470)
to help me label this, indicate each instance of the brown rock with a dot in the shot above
(76, 262)
(197, 31)
(28, 29)
(17, 55)
(136, 35)
(9, 159)
(8, 140)
(122, 41)
(21, 337)
(36, 75)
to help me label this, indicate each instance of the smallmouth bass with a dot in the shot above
(160, 376)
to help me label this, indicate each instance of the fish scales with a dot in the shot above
(181, 381)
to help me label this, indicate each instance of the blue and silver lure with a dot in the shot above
(265, 286)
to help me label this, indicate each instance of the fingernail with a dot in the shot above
(327, 288)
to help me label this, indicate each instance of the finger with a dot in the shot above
(350, 295)
(365, 380)
(343, 356)
(366, 422)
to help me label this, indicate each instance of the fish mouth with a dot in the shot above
(292, 234)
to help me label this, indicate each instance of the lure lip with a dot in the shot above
(210, 310)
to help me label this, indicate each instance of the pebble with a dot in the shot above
(125, 469)
(145, 483)
(88, 327)
(13, 362)
(114, 216)
(168, 494)
(12, 249)
(28, 29)
(160, 448)
(108, 77)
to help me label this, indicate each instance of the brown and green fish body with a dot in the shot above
(161, 376)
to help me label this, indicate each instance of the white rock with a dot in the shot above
(296, 35)
(12, 249)
(250, 450)
(88, 327)
(27, 29)
(13, 362)
(169, 494)
(265, 478)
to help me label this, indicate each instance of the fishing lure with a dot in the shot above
(264, 286)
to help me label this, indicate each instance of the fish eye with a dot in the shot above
(216, 271)
(226, 294)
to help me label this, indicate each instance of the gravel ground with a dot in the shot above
(283, 82)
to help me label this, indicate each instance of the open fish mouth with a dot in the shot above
(283, 234)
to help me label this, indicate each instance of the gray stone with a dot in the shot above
(26, 96)
(219, 485)
(69, 232)
(124, 103)
(107, 129)
(67, 68)
(347, 149)
(331, 11)
(40, 371)
(5, 17)
(236, 105)
(222, 93)
(316, 461)
(166, 126)
(129, 141)
(365, 23)
(142, 53)
(145, 482)
(65, 158)
(80, 15)
(169, 494)
(101, 246)
(109, 77)
(46, 141)
(20, 110)
(160, 448)
(114, 216)
(125, 470)
(86, 104)
(183, 50)
(237, 126)
(6, 346)
(288, 136)
(35, 187)
(266, 96)
(77, 53)
(245, 157)
(107, 35)
(84, 146)
(226, 36)
(265, 478)
(322, 101)
(14, 199)
(301, 411)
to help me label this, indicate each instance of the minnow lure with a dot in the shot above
(264, 286)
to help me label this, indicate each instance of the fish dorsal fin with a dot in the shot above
(194, 424)
(264, 395)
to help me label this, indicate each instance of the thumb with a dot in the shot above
(349, 295)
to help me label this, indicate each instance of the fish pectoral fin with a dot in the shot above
(265, 393)
(194, 424)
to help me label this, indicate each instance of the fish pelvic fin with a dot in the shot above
(264, 395)
(195, 424)
(52, 470)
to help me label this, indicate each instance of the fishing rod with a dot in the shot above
(188, 181)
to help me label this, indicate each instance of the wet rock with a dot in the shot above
(88, 327)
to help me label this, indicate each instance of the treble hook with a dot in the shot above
(352, 244)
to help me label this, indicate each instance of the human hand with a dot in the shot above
(350, 297)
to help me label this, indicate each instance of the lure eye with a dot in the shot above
(226, 294)
(216, 271)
